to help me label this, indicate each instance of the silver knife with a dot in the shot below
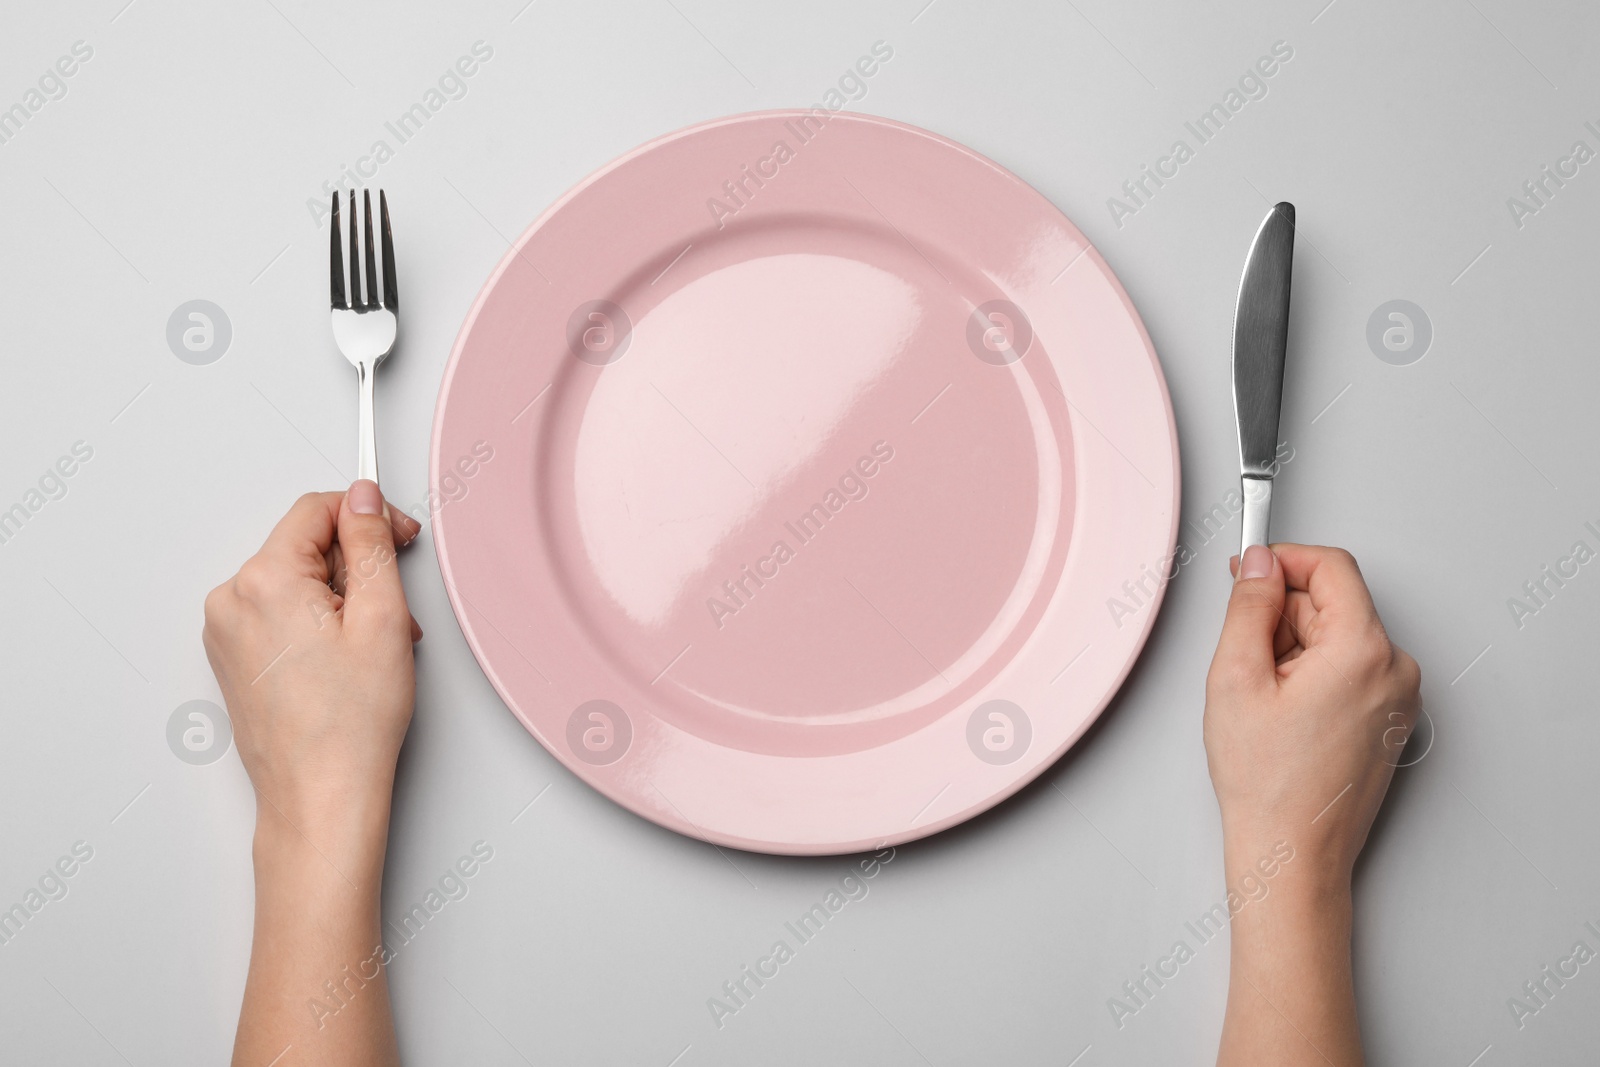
(1260, 338)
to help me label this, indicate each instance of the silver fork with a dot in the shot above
(365, 329)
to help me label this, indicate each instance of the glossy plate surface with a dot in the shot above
(806, 482)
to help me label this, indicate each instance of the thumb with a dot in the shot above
(1254, 610)
(373, 596)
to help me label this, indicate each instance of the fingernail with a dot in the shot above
(365, 498)
(1257, 562)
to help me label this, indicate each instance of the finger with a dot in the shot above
(325, 609)
(1297, 616)
(1297, 608)
(1284, 639)
(302, 538)
(1254, 613)
(1299, 611)
(340, 577)
(1292, 628)
(405, 527)
(337, 585)
(1331, 578)
(311, 524)
(373, 595)
(336, 568)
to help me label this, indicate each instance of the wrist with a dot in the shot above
(1264, 862)
(345, 834)
(1306, 901)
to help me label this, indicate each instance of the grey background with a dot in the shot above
(178, 167)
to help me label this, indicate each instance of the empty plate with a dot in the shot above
(807, 482)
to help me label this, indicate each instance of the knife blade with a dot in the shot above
(1260, 342)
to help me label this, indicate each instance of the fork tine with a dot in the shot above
(355, 257)
(336, 259)
(372, 260)
(391, 295)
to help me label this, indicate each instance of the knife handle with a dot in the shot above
(1257, 512)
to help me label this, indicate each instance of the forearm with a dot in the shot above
(317, 982)
(1291, 998)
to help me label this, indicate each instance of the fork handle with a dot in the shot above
(367, 434)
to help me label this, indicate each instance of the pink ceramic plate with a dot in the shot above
(808, 481)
